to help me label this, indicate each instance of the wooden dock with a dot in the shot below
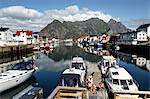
(102, 92)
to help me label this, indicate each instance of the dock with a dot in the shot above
(102, 92)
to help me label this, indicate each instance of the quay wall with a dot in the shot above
(135, 48)
(10, 55)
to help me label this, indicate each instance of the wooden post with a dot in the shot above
(114, 95)
(58, 95)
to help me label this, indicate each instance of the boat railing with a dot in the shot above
(68, 92)
(128, 94)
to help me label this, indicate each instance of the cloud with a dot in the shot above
(135, 23)
(73, 13)
(20, 17)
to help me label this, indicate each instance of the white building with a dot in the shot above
(144, 28)
(24, 36)
(6, 37)
(141, 35)
(132, 38)
(6, 34)
(35, 38)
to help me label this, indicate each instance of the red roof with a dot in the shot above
(28, 33)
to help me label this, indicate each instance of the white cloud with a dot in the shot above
(19, 12)
(135, 23)
(19, 17)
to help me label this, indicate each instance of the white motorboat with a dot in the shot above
(78, 63)
(18, 74)
(107, 62)
(72, 78)
(118, 79)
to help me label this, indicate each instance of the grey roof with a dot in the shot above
(143, 26)
(3, 29)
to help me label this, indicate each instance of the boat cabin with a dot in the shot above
(24, 65)
(71, 78)
(78, 63)
(120, 79)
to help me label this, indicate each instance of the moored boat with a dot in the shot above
(18, 74)
(78, 63)
(119, 80)
(72, 78)
(107, 62)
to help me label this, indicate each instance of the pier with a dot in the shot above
(97, 77)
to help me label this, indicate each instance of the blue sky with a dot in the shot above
(130, 12)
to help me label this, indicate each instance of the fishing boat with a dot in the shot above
(107, 62)
(19, 73)
(119, 80)
(72, 78)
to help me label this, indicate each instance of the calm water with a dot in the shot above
(54, 63)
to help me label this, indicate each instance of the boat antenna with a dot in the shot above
(71, 63)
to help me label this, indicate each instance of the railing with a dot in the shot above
(68, 92)
(136, 94)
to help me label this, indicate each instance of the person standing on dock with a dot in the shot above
(91, 83)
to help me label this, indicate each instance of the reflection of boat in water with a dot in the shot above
(72, 78)
(30, 92)
(118, 79)
(18, 74)
(107, 62)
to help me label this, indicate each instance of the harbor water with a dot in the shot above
(53, 62)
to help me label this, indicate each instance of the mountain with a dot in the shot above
(93, 26)
(117, 27)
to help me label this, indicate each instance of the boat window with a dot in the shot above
(115, 73)
(13, 76)
(113, 63)
(107, 63)
(71, 80)
(123, 82)
(78, 66)
(130, 82)
(3, 75)
(115, 81)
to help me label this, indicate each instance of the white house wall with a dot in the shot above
(148, 31)
(6, 35)
(142, 36)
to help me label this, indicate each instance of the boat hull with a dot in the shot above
(15, 81)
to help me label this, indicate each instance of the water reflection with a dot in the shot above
(135, 59)
(67, 52)
(138, 65)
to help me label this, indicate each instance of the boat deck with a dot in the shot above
(102, 92)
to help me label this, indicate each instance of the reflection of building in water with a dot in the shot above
(139, 61)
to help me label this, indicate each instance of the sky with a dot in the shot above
(36, 14)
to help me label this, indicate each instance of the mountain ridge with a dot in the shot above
(92, 26)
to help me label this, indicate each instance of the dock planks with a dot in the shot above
(102, 92)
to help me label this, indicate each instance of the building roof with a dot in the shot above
(128, 32)
(3, 29)
(143, 26)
